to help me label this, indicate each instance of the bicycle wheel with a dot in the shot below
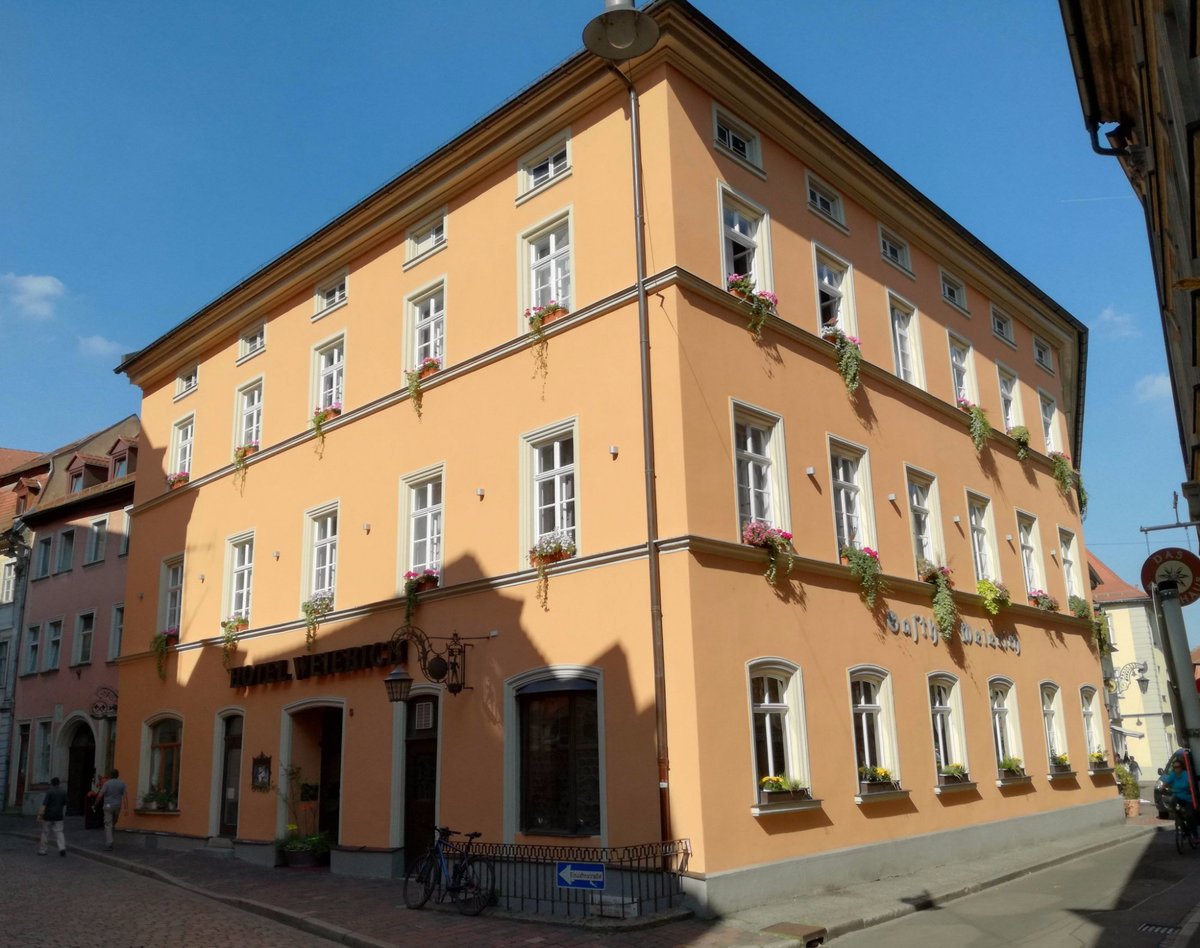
(475, 886)
(418, 884)
(1180, 833)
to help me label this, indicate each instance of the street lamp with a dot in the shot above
(447, 665)
(620, 32)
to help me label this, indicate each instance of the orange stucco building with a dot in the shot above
(560, 730)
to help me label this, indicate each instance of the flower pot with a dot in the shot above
(427, 371)
(783, 796)
(551, 317)
(248, 450)
(548, 558)
(953, 778)
(177, 483)
(876, 786)
(241, 625)
(1133, 807)
(1060, 768)
(426, 582)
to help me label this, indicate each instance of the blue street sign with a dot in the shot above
(580, 875)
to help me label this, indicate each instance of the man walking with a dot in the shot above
(112, 798)
(54, 809)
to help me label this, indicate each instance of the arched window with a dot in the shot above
(871, 706)
(166, 744)
(1091, 729)
(1052, 721)
(777, 713)
(1005, 725)
(560, 757)
(945, 710)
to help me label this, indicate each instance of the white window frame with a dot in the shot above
(1048, 413)
(555, 154)
(43, 557)
(187, 381)
(427, 323)
(1089, 707)
(97, 541)
(329, 372)
(116, 631)
(239, 575)
(981, 529)
(824, 200)
(757, 244)
(183, 445)
(735, 131)
(788, 713)
(559, 261)
(966, 388)
(1052, 719)
(1042, 348)
(936, 541)
(248, 424)
(252, 342)
(906, 340)
(952, 286)
(946, 721)
(425, 238)
(170, 600)
(8, 582)
(64, 554)
(330, 294)
(321, 550)
(895, 250)
(530, 442)
(857, 490)
(1005, 719)
(52, 647)
(83, 636)
(772, 463)
(33, 650)
(433, 515)
(1030, 549)
(1010, 405)
(1069, 556)
(883, 711)
(124, 546)
(1003, 326)
(847, 318)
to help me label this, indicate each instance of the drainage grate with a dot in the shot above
(1154, 929)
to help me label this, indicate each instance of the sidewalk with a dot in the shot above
(370, 912)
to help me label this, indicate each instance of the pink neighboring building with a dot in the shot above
(76, 536)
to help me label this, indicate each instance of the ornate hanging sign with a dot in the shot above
(104, 705)
(1179, 566)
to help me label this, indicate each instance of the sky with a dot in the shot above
(155, 154)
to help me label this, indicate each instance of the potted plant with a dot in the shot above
(150, 798)
(1043, 600)
(762, 303)
(777, 543)
(321, 416)
(875, 780)
(243, 451)
(1067, 478)
(425, 367)
(945, 609)
(781, 789)
(1060, 763)
(981, 428)
(302, 844)
(415, 582)
(314, 609)
(995, 595)
(1011, 766)
(849, 355)
(178, 479)
(165, 799)
(865, 567)
(1020, 434)
(160, 644)
(1130, 790)
(1098, 759)
(952, 773)
(538, 317)
(550, 548)
(229, 631)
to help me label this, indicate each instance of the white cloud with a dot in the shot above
(1152, 388)
(29, 297)
(97, 347)
(1117, 325)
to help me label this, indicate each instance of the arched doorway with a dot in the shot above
(81, 768)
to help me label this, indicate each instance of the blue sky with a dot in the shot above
(157, 153)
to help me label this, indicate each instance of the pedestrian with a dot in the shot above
(54, 808)
(1135, 768)
(112, 798)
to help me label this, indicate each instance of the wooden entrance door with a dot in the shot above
(231, 776)
(22, 765)
(81, 768)
(420, 775)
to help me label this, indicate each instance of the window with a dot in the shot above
(548, 163)
(1030, 556)
(250, 404)
(425, 524)
(549, 264)
(894, 250)
(4, 645)
(982, 545)
(1049, 414)
(1052, 721)
(1043, 355)
(1005, 727)
(833, 289)
(171, 605)
(1010, 408)
(42, 557)
(903, 341)
(187, 381)
(870, 701)
(330, 294)
(922, 509)
(331, 374)
(241, 575)
(76, 485)
(826, 201)
(66, 551)
(777, 719)
(429, 326)
(948, 745)
(744, 240)
(1002, 326)
(559, 757)
(737, 139)
(8, 577)
(1070, 567)
(125, 535)
(426, 237)
(849, 496)
(758, 458)
(554, 487)
(45, 748)
(252, 341)
(323, 530)
(53, 645)
(954, 292)
(33, 643)
(120, 467)
(166, 744)
(182, 444)
(97, 536)
(117, 633)
(960, 368)
(85, 627)
(1091, 718)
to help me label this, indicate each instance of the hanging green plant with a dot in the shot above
(849, 356)
(412, 379)
(549, 549)
(981, 428)
(995, 595)
(415, 583)
(229, 631)
(314, 609)
(762, 303)
(865, 567)
(161, 644)
(777, 543)
(1020, 434)
(945, 609)
(537, 317)
(1068, 478)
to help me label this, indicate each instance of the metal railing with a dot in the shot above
(580, 881)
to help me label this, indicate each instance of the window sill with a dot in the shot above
(1101, 771)
(954, 306)
(963, 785)
(786, 806)
(180, 396)
(746, 163)
(877, 796)
(329, 309)
(425, 254)
(92, 563)
(1061, 775)
(1011, 343)
(544, 186)
(1016, 781)
(1045, 368)
(828, 218)
(899, 266)
(243, 359)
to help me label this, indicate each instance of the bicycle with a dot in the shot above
(1183, 823)
(469, 883)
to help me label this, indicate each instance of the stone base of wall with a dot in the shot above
(376, 864)
(721, 893)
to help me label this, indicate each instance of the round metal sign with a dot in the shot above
(1181, 566)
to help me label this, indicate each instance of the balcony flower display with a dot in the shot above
(778, 788)
(762, 303)
(995, 595)
(416, 582)
(777, 543)
(1020, 434)
(229, 629)
(549, 548)
(1043, 600)
(178, 479)
(981, 428)
(412, 380)
(1011, 765)
(315, 609)
(849, 355)
(865, 567)
(945, 609)
(160, 644)
(538, 317)
(1067, 478)
(321, 416)
(876, 778)
(952, 773)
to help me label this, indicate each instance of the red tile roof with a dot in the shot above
(13, 457)
(1112, 587)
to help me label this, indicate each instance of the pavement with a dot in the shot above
(370, 912)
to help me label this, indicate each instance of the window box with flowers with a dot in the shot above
(995, 595)
(762, 303)
(877, 783)
(981, 428)
(865, 567)
(538, 318)
(416, 582)
(549, 549)
(781, 789)
(1098, 764)
(1020, 434)
(1010, 772)
(322, 416)
(160, 645)
(849, 356)
(1043, 600)
(1067, 478)
(229, 632)
(777, 543)
(314, 609)
(945, 609)
(412, 379)
(155, 799)
(953, 778)
(1060, 767)
(178, 479)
